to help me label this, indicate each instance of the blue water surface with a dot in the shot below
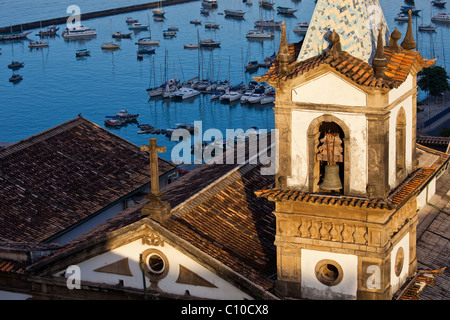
(57, 86)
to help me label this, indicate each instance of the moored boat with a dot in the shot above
(110, 46)
(15, 78)
(191, 46)
(268, 23)
(259, 34)
(79, 32)
(37, 44)
(441, 17)
(138, 26)
(286, 10)
(16, 65)
(14, 36)
(48, 32)
(130, 20)
(301, 28)
(82, 53)
(120, 35)
(147, 41)
(438, 3)
(146, 50)
(234, 13)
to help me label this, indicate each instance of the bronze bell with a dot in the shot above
(331, 180)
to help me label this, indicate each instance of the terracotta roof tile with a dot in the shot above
(398, 196)
(361, 72)
(61, 176)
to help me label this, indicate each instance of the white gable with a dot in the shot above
(121, 265)
(329, 89)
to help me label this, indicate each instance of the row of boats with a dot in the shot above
(250, 93)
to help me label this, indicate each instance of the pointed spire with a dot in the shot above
(409, 43)
(379, 61)
(283, 57)
(393, 42)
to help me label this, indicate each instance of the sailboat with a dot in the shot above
(110, 45)
(147, 41)
(159, 12)
(429, 27)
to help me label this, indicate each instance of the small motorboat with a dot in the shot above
(15, 78)
(138, 26)
(37, 44)
(110, 46)
(169, 34)
(16, 65)
(130, 20)
(82, 53)
(191, 46)
(301, 28)
(147, 41)
(252, 66)
(146, 51)
(286, 10)
(196, 22)
(211, 26)
(48, 32)
(120, 35)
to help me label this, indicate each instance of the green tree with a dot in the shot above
(434, 80)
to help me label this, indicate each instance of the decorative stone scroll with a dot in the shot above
(153, 240)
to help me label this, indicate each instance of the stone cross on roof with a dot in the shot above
(156, 208)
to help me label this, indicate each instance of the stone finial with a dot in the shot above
(335, 41)
(283, 57)
(379, 61)
(393, 42)
(409, 43)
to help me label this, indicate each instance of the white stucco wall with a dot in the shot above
(396, 93)
(407, 105)
(312, 288)
(397, 281)
(329, 89)
(357, 124)
(168, 284)
(425, 195)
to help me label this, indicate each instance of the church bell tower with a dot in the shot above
(345, 111)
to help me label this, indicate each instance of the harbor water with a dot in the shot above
(57, 86)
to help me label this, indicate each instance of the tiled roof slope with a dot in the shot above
(356, 70)
(214, 208)
(234, 227)
(61, 176)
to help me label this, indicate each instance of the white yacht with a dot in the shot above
(79, 32)
(185, 93)
(259, 34)
(147, 41)
(246, 95)
(230, 96)
(210, 3)
(443, 17)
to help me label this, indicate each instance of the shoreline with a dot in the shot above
(90, 15)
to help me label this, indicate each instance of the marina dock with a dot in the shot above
(91, 15)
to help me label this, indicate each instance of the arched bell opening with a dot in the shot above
(320, 168)
(331, 165)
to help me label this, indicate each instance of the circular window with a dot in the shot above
(399, 260)
(329, 272)
(156, 265)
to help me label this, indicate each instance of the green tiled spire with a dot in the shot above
(356, 22)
